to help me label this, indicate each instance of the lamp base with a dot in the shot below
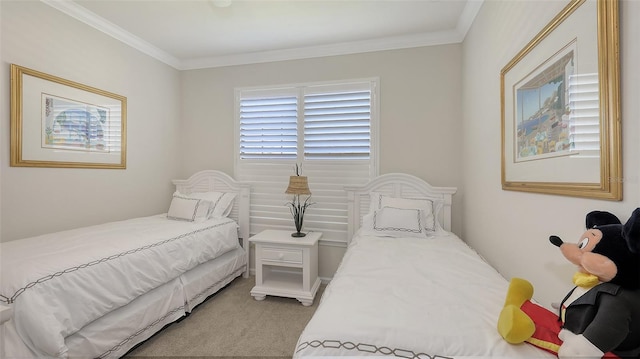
(298, 234)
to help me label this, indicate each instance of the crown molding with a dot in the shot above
(80, 13)
(345, 48)
(467, 17)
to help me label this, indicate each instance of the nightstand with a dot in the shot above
(286, 266)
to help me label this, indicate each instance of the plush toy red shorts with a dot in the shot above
(547, 329)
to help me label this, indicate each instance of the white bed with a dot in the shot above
(414, 295)
(98, 291)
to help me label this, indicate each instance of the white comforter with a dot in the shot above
(57, 283)
(412, 298)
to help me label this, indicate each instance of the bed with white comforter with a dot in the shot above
(399, 292)
(99, 290)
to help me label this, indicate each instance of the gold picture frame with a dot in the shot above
(560, 107)
(61, 123)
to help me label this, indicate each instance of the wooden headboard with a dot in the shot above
(213, 180)
(396, 185)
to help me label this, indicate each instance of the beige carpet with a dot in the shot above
(232, 324)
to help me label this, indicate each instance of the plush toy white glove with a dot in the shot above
(577, 346)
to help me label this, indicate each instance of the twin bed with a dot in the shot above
(406, 287)
(100, 290)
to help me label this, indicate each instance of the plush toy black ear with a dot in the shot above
(600, 218)
(631, 231)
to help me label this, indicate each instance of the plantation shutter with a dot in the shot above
(337, 123)
(268, 125)
(330, 132)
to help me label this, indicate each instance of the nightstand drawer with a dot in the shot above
(282, 255)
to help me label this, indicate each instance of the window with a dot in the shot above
(329, 128)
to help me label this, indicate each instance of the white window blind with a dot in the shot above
(268, 125)
(329, 129)
(337, 124)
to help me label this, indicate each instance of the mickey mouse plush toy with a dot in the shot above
(600, 317)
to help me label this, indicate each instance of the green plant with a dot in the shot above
(298, 208)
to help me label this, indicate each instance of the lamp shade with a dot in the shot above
(298, 185)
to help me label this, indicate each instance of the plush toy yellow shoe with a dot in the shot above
(514, 325)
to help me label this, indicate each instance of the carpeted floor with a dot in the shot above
(232, 324)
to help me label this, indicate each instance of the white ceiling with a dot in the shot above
(190, 34)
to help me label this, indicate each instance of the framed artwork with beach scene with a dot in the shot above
(61, 123)
(542, 109)
(561, 109)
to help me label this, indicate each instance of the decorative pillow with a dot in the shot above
(437, 207)
(221, 202)
(394, 222)
(184, 208)
(426, 205)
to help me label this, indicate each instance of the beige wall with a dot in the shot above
(511, 229)
(40, 200)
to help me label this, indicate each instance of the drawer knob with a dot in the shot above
(280, 255)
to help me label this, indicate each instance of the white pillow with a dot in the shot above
(394, 222)
(187, 209)
(426, 205)
(437, 207)
(221, 202)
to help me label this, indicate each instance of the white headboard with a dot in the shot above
(396, 185)
(213, 180)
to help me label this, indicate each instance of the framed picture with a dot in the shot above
(561, 107)
(61, 123)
